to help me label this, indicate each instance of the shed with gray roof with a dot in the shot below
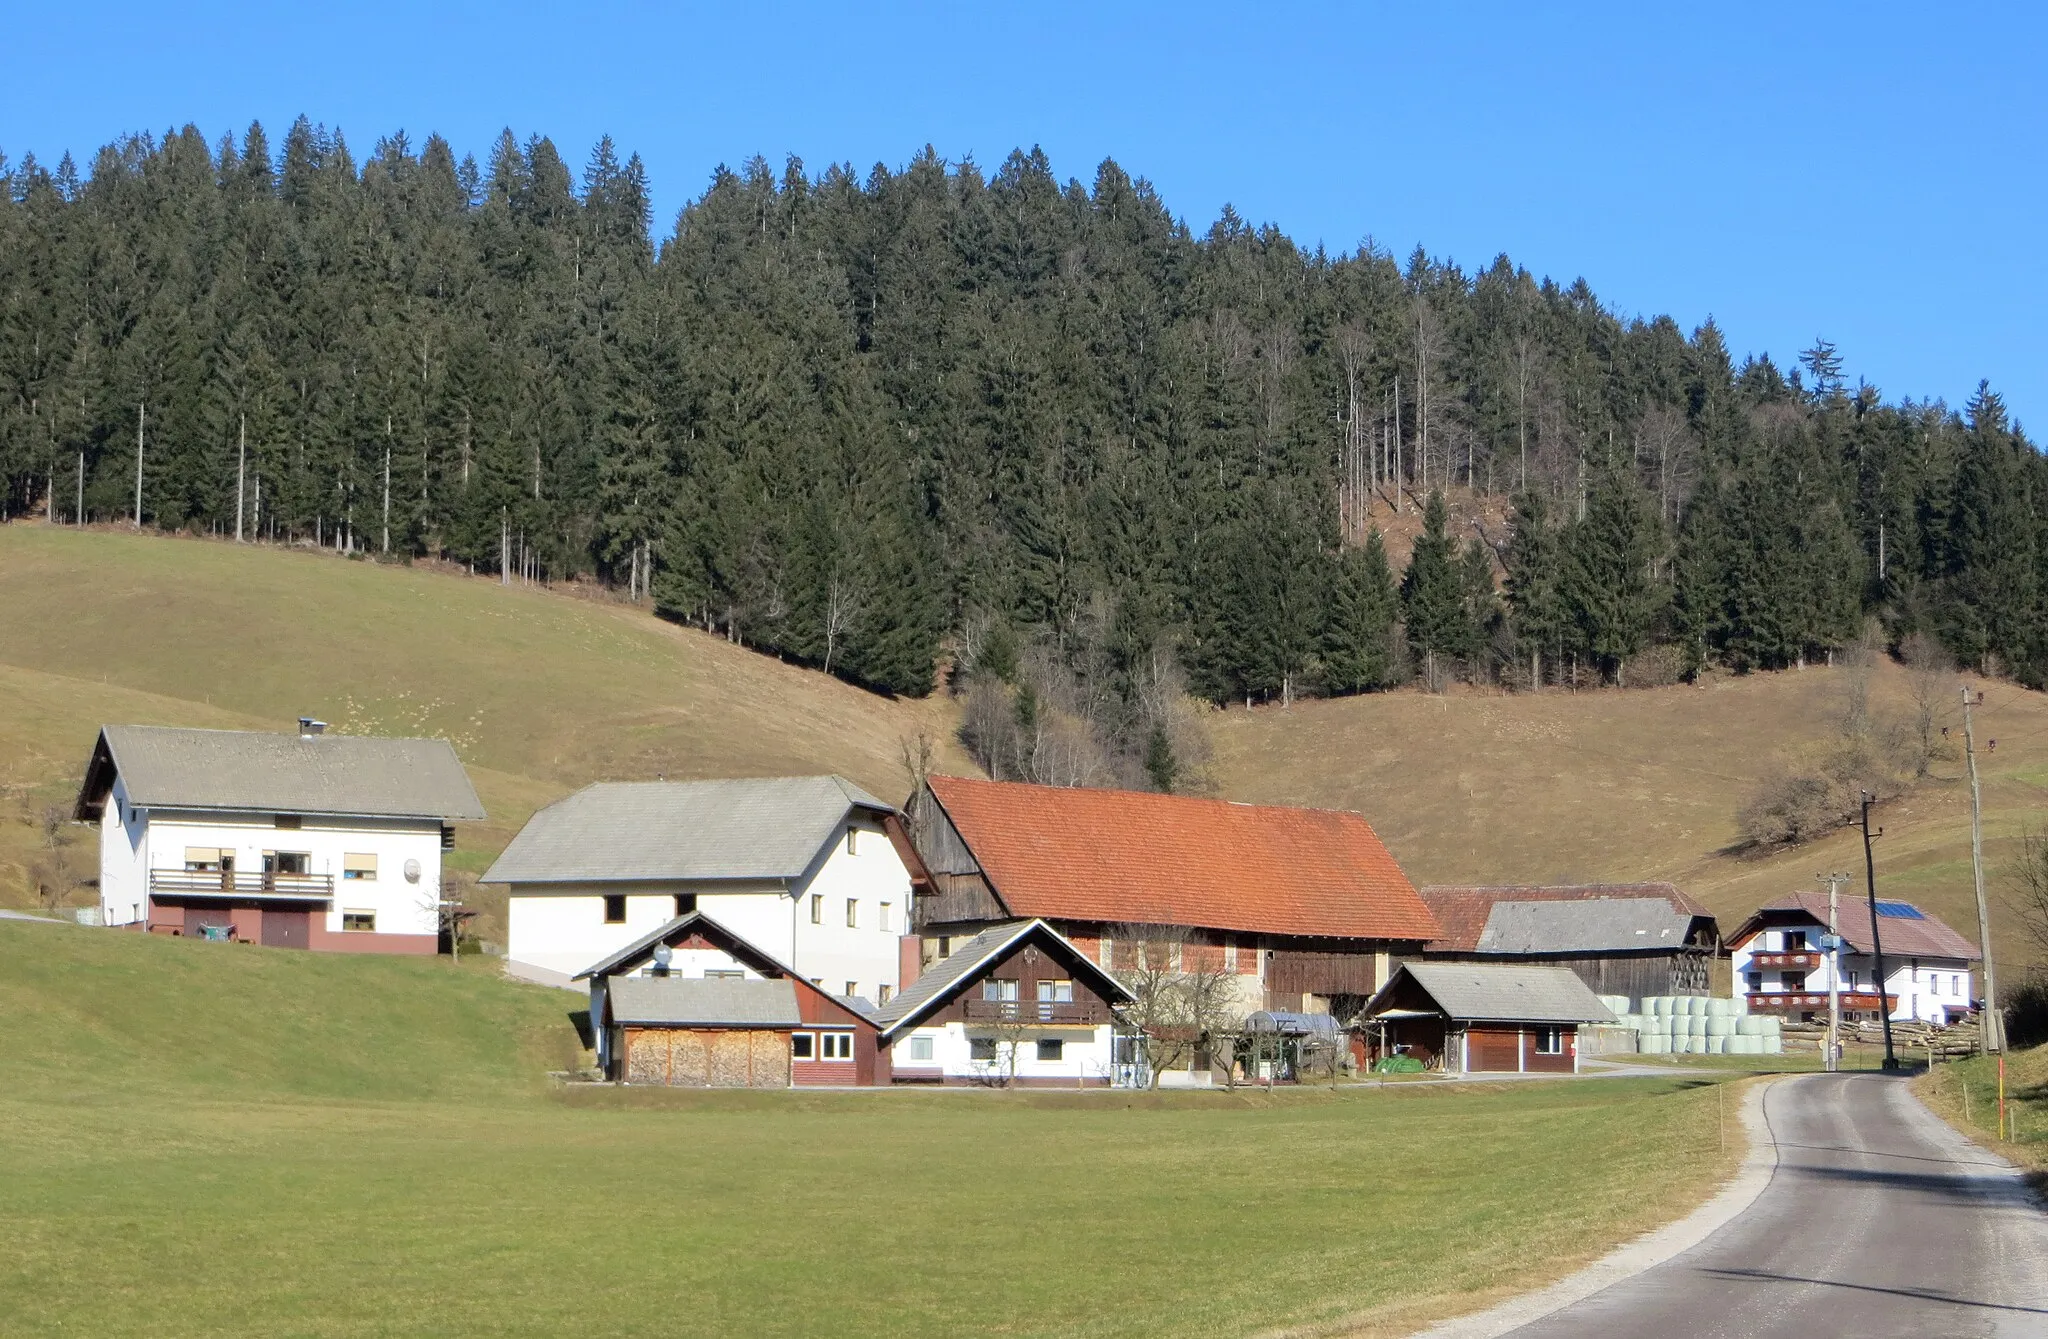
(1634, 939)
(703, 1002)
(1476, 1017)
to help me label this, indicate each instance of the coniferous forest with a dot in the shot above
(998, 424)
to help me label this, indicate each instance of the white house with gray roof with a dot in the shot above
(305, 840)
(812, 869)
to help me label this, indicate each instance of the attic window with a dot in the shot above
(287, 820)
(615, 909)
(853, 841)
(685, 903)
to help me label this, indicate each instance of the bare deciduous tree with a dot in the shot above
(1184, 1001)
(2026, 888)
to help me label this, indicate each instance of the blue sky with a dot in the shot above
(1869, 173)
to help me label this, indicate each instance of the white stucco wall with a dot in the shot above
(1086, 1054)
(1926, 987)
(157, 840)
(560, 928)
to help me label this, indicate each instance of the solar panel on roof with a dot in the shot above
(1904, 911)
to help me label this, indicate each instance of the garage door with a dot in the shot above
(1492, 1051)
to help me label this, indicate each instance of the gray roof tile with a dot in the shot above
(171, 768)
(1504, 993)
(627, 831)
(1609, 925)
(682, 1001)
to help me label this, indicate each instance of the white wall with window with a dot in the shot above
(1932, 990)
(965, 1052)
(376, 875)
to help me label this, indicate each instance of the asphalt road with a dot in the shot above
(1879, 1220)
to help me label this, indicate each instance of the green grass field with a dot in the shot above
(222, 1139)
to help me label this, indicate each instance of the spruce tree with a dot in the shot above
(1358, 631)
(1433, 594)
(1535, 592)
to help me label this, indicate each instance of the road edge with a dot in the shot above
(1759, 1164)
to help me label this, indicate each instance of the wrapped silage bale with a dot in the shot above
(1697, 1025)
(1717, 1045)
(1656, 1043)
(1774, 1026)
(1720, 1025)
(1749, 1027)
(1695, 1045)
(1773, 1045)
(1717, 1008)
(1741, 1044)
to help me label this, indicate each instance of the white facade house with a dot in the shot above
(1781, 965)
(811, 869)
(1016, 1004)
(303, 840)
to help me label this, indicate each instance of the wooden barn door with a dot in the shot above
(287, 929)
(1494, 1050)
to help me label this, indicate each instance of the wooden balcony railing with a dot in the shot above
(238, 883)
(1085, 1013)
(1763, 1002)
(1801, 960)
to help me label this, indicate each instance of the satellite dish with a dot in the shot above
(412, 871)
(663, 955)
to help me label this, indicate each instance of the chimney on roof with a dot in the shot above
(308, 727)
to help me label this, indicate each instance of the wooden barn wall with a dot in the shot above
(938, 842)
(1634, 975)
(1320, 972)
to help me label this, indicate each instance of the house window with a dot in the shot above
(1550, 1041)
(287, 862)
(1795, 941)
(852, 913)
(882, 993)
(287, 820)
(1795, 981)
(835, 1046)
(1755, 980)
(981, 1048)
(685, 903)
(996, 989)
(1852, 980)
(615, 909)
(801, 1045)
(207, 859)
(1051, 1049)
(1055, 992)
(852, 988)
(817, 908)
(882, 918)
(359, 920)
(361, 867)
(920, 1048)
(945, 946)
(853, 841)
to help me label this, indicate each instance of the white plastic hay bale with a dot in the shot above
(1717, 1046)
(1696, 1025)
(1656, 1043)
(1721, 1026)
(1741, 1045)
(1773, 1045)
(1695, 1045)
(1774, 1026)
(1719, 1008)
(1749, 1027)
(1741, 1003)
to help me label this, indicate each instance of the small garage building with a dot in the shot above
(1483, 1018)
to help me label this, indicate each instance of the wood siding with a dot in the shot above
(1493, 1050)
(956, 900)
(939, 844)
(1679, 972)
(1296, 971)
(1027, 965)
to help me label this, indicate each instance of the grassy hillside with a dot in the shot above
(265, 1141)
(543, 691)
(1637, 785)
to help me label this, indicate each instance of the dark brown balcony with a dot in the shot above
(1800, 960)
(238, 884)
(1805, 1001)
(1085, 1013)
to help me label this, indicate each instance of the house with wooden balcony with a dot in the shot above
(1303, 909)
(1782, 967)
(1016, 1004)
(304, 840)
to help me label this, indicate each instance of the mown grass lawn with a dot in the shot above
(219, 1139)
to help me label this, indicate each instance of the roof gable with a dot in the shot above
(252, 771)
(1130, 857)
(944, 980)
(683, 831)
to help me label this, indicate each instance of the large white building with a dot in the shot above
(304, 840)
(811, 869)
(1781, 968)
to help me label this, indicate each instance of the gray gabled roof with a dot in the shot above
(244, 770)
(1486, 992)
(1605, 925)
(684, 1001)
(938, 982)
(682, 831)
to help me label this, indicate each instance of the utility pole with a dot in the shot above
(138, 466)
(1992, 1033)
(241, 473)
(1833, 945)
(1884, 1008)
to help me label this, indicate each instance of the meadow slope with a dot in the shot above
(545, 690)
